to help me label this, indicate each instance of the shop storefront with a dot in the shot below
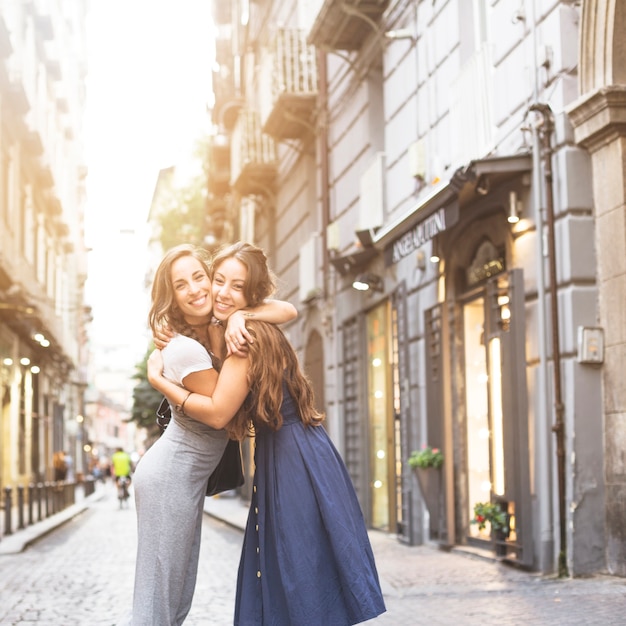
(444, 334)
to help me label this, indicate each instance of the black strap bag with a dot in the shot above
(228, 474)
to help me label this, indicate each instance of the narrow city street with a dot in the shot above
(81, 574)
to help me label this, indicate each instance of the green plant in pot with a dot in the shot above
(490, 512)
(426, 457)
(426, 465)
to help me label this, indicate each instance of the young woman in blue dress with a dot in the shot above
(171, 478)
(306, 558)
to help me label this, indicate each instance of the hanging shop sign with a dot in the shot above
(436, 222)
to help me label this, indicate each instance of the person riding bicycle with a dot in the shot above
(121, 465)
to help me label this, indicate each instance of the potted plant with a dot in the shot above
(426, 457)
(498, 519)
(426, 464)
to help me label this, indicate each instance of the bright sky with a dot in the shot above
(147, 88)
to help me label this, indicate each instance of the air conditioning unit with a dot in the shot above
(332, 236)
(309, 266)
(372, 199)
(247, 213)
(417, 159)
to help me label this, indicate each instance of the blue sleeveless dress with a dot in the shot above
(306, 557)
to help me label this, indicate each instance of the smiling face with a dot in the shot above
(229, 281)
(192, 289)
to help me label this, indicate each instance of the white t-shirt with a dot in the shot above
(183, 356)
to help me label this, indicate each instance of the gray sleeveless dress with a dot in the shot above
(170, 485)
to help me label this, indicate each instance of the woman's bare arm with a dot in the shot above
(202, 382)
(236, 334)
(216, 411)
(273, 311)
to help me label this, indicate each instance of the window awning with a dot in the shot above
(460, 188)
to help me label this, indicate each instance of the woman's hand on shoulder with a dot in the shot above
(154, 367)
(236, 334)
(162, 336)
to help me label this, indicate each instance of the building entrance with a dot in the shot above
(496, 415)
(483, 400)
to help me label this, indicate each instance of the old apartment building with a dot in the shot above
(43, 266)
(461, 164)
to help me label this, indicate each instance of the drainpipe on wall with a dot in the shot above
(324, 193)
(543, 450)
(330, 322)
(545, 128)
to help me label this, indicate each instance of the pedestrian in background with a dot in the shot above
(171, 478)
(59, 466)
(69, 467)
(306, 558)
(121, 465)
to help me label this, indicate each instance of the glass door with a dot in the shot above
(380, 405)
(483, 398)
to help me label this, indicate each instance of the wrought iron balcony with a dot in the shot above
(226, 87)
(253, 156)
(343, 25)
(294, 86)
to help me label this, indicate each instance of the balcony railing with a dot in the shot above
(253, 156)
(294, 86)
(340, 25)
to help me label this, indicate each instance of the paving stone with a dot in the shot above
(81, 574)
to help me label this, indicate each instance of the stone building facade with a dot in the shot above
(42, 252)
(428, 179)
(599, 120)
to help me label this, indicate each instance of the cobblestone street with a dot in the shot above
(81, 574)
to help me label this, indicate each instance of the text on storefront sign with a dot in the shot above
(419, 235)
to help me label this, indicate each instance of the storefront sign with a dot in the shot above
(422, 232)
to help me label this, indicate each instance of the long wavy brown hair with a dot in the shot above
(164, 311)
(271, 357)
(272, 361)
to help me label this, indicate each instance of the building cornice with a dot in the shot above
(599, 118)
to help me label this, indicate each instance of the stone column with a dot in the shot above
(599, 120)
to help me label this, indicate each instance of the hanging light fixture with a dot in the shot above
(434, 252)
(483, 186)
(365, 282)
(514, 208)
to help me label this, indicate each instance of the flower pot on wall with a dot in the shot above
(429, 479)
